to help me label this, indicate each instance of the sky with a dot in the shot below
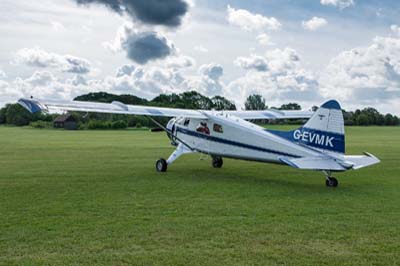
(305, 51)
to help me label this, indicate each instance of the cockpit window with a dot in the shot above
(218, 128)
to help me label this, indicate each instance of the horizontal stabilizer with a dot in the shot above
(360, 161)
(314, 163)
(330, 163)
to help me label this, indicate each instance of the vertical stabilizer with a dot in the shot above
(323, 131)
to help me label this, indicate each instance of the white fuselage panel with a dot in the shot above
(233, 137)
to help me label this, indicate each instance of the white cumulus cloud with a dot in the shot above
(338, 3)
(314, 23)
(367, 74)
(251, 22)
(37, 57)
(278, 76)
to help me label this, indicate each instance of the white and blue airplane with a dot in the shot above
(318, 145)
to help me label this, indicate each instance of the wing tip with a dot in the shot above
(31, 105)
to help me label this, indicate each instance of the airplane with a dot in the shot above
(317, 145)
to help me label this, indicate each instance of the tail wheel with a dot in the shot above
(161, 165)
(217, 162)
(331, 182)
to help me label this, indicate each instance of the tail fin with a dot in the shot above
(324, 130)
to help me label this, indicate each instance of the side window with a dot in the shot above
(218, 128)
(187, 121)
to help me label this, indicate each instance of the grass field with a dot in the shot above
(94, 198)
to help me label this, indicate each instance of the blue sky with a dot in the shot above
(303, 51)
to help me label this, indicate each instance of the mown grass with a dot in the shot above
(94, 198)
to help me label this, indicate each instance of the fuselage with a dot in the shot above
(229, 136)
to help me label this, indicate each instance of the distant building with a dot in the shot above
(65, 121)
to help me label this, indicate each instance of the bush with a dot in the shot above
(119, 124)
(95, 124)
(40, 124)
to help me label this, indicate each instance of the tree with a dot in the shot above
(255, 102)
(221, 103)
(194, 100)
(18, 115)
(396, 121)
(3, 115)
(362, 120)
(389, 119)
(290, 106)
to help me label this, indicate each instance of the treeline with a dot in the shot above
(369, 116)
(14, 114)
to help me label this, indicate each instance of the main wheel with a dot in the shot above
(331, 182)
(217, 162)
(161, 165)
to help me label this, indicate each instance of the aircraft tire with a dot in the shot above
(217, 162)
(161, 165)
(331, 182)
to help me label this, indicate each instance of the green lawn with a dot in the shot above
(94, 198)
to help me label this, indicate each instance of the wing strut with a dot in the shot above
(167, 131)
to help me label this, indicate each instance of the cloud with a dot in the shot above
(37, 57)
(153, 12)
(2, 75)
(43, 84)
(395, 29)
(209, 82)
(253, 62)
(125, 70)
(200, 48)
(141, 46)
(342, 4)
(251, 22)
(177, 62)
(57, 26)
(213, 71)
(314, 24)
(278, 76)
(264, 39)
(8, 93)
(366, 74)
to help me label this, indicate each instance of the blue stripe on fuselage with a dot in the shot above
(233, 143)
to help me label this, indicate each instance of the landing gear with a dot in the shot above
(330, 180)
(161, 165)
(217, 161)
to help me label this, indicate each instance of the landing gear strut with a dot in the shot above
(330, 180)
(217, 161)
(162, 164)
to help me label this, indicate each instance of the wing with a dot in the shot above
(34, 105)
(270, 114)
(112, 108)
(330, 163)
